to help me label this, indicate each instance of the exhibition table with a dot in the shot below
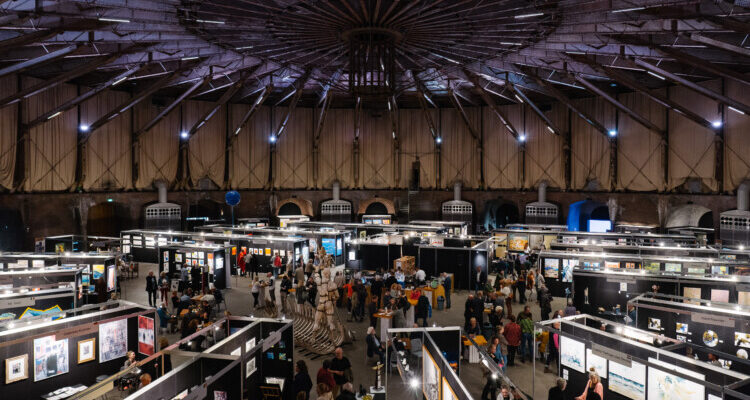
(473, 349)
(385, 323)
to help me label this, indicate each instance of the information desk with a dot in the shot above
(632, 363)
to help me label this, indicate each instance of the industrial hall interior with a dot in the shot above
(375, 199)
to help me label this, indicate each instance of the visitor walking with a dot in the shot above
(341, 369)
(151, 288)
(447, 286)
(512, 332)
(302, 381)
(527, 334)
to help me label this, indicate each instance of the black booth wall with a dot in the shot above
(85, 373)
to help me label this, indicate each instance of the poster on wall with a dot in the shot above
(663, 385)
(628, 381)
(672, 267)
(113, 340)
(98, 271)
(567, 270)
(166, 256)
(50, 357)
(572, 353)
(430, 376)
(652, 266)
(86, 350)
(111, 278)
(518, 242)
(611, 264)
(250, 367)
(742, 339)
(447, 391)
(599, 364)
(535, 242)
(551, 268)
(145, 335)
(720, 295)
(178, 257)
(691, 293)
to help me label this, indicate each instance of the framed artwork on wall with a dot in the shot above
(16, 368)
(86, 349)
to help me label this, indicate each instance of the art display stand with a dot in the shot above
(632, 363)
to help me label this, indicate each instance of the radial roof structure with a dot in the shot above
(392, 53)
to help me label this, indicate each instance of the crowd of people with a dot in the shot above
(332, 382)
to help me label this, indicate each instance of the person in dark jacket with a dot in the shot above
(376, 289)
(196, 279)
(151, 288)
(545, 302)
(468, 310)
(163, 344)
(372, 309)
(347, 392)
(101, 290)
(478, 307)
(478, 279)
(447, 286)
(302, 381)
(558, 392)
(286, 284)
(422, 310)
(374, 345)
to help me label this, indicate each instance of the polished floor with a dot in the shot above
(239, 302)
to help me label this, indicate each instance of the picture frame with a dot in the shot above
(86, 350)
(50, 357)
(16, 368)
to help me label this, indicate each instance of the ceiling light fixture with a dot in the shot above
(208, 21)
(184, 134)
(119, 80)
(529, 15)
(612, 133)
(549, 128)
(119, 20)
(622, 10)
(518, 98)
(522, 138)
(656, 75)
(243, 48)
(716, 124)
(83, 128)
(736, 110)
(511, 43)
(54, 115)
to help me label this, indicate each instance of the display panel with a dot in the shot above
(448, 393)
(145, 335)
(430, 376)
(518, 242)
(599, 364)
(113, 340)
(628, 381)
(567, 270)
(600, 225)
(663, 385)
(551, 268)
(572, 353)
(50, 357)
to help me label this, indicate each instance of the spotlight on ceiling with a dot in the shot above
(83, 128)
(438, 140)
(612, 133)
(716, 124)
(272, 138)
(522, 138)
(184, 134)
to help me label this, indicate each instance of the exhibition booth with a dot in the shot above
(633, 363)
(362, 230)
(331, 240)
(606, 281)
(51, 356)
(80, 243)
(212, 262)
(31, 292)
(704, 319)
(430, 356)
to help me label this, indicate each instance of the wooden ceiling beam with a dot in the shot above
(525, 99)
(297, 88)
(562, 98)
(476, 81)
(265, 91)
(174, 104)
(693, 86)
(41, 60)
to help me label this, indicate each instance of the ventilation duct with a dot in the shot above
(540, 211)
(734, 225)
(457, 209)
(162, 215)
(336, 210)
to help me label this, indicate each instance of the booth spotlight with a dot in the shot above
(716, 124)
(612, 133)
(83, 128)
(184, 134)
(414, 383)
(272, 139)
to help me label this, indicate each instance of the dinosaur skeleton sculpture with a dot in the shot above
(327, 294)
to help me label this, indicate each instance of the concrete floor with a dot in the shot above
(239, 301)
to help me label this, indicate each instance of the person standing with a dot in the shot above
(255, 291)
(347, 392)
(151, 287)
(521, 287)
(341, 369)
(302, 381)
(447, 286)
(527, 334)
(422, 309)
(372, 309)
(479, 278)
(512, 332)
(299, 274)
(545, 302)
(284, 287)
(241, 261)
(252, 263)
(325, 376)
(594, 389)
(276, 264)
(164, 286)
(554, 348)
